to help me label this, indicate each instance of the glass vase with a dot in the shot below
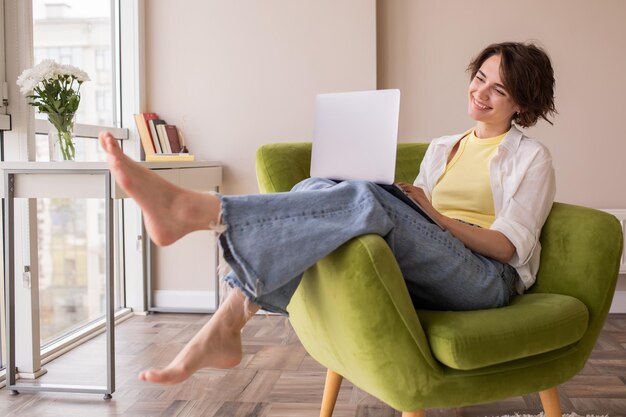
(61, 138)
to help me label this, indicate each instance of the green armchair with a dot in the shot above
(353, 314)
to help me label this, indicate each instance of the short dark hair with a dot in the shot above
(527, 75)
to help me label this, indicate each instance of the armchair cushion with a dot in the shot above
(530, 325)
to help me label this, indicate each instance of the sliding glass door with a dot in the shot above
(60, 243)
(70, 233)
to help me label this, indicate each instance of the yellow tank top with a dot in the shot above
(464, 190)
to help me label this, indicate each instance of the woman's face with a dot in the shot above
(489, 102)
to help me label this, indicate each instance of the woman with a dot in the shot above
(490, 188)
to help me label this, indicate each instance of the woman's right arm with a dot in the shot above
(487, 242)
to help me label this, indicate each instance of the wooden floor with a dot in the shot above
(276, 378)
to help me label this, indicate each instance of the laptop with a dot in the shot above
(356, 138)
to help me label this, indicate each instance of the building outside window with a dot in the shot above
(71, 240)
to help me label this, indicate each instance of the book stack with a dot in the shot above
(161, 141)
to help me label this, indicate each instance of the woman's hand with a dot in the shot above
(412, 191)
(491, 243)
(418, 194)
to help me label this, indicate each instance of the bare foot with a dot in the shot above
(211, 347)
(216, 345)
(170, 212)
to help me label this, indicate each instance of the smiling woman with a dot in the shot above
(490, 104)
(520, 76)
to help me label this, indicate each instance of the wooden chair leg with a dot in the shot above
(331, 391)
(550, 402)
(417, 413)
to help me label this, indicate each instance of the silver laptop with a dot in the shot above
(356, 136)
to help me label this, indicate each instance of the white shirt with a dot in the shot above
(523, 186)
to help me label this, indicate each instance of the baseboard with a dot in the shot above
(192, 300)
(619, 302)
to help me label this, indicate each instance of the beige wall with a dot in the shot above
(424, 47)
(236, 74)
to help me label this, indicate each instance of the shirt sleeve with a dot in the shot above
(522, 216)
(426, 168)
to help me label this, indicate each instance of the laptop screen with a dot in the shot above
(356, 136)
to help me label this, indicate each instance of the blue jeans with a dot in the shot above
(271, 239)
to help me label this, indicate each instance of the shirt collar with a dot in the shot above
(511, 141)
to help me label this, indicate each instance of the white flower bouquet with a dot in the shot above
(54, 89)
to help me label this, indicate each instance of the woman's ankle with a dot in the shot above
(197, 211)
(236, 310)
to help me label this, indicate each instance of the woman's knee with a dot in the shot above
(313, 183)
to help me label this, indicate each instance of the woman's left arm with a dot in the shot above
(490, 243)
(487, 242)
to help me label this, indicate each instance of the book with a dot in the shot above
(165, 143)
(141, 120)
(183, 144)
(153, 123)
(170, 157)
(172, 137)
(161, 141)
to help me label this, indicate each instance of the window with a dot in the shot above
(103, 106)
(69, 56)
(70, 238)
(103, 63)
(70, 288)
(71, 279)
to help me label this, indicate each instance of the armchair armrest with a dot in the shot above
(327, 314)
(580, 257)
(280, 166)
